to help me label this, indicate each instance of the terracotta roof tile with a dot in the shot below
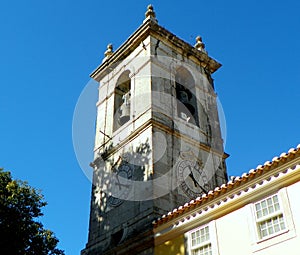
(233, 183)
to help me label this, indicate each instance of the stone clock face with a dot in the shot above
(192, 178)
(121, 185)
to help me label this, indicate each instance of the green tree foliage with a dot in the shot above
(20, 208)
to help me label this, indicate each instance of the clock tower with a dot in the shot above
(158, 141)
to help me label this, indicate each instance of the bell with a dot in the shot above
(183, 98)
(125, 109)
(125, 113)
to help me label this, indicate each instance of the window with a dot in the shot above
(269, 217)
(272, 221)
(122, 100)
(200, 241)
(186, 97)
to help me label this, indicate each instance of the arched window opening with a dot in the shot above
(122, 101)
(186, 96)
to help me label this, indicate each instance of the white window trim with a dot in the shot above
(259, 243)
(212, 238)
(268, 217)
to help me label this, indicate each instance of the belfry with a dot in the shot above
(158, 140)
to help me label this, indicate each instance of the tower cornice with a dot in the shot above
(150, 27)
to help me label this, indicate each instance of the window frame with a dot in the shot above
(280, 236)
(269, 216)
(212, 241)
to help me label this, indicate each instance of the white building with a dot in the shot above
(257, 213)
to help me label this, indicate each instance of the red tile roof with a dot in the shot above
(233, 183)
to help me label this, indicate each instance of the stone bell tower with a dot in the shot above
(158, 142)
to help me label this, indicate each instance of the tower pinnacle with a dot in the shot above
(108, 52)
(150, 14)
(199, 44)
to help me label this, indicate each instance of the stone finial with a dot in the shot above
(150, 14)
(199, 44)
(108, 52)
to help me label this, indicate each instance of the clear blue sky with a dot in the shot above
(49, 48)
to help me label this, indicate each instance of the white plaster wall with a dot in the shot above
(236, 232)
(232, 233)
(293, 192)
